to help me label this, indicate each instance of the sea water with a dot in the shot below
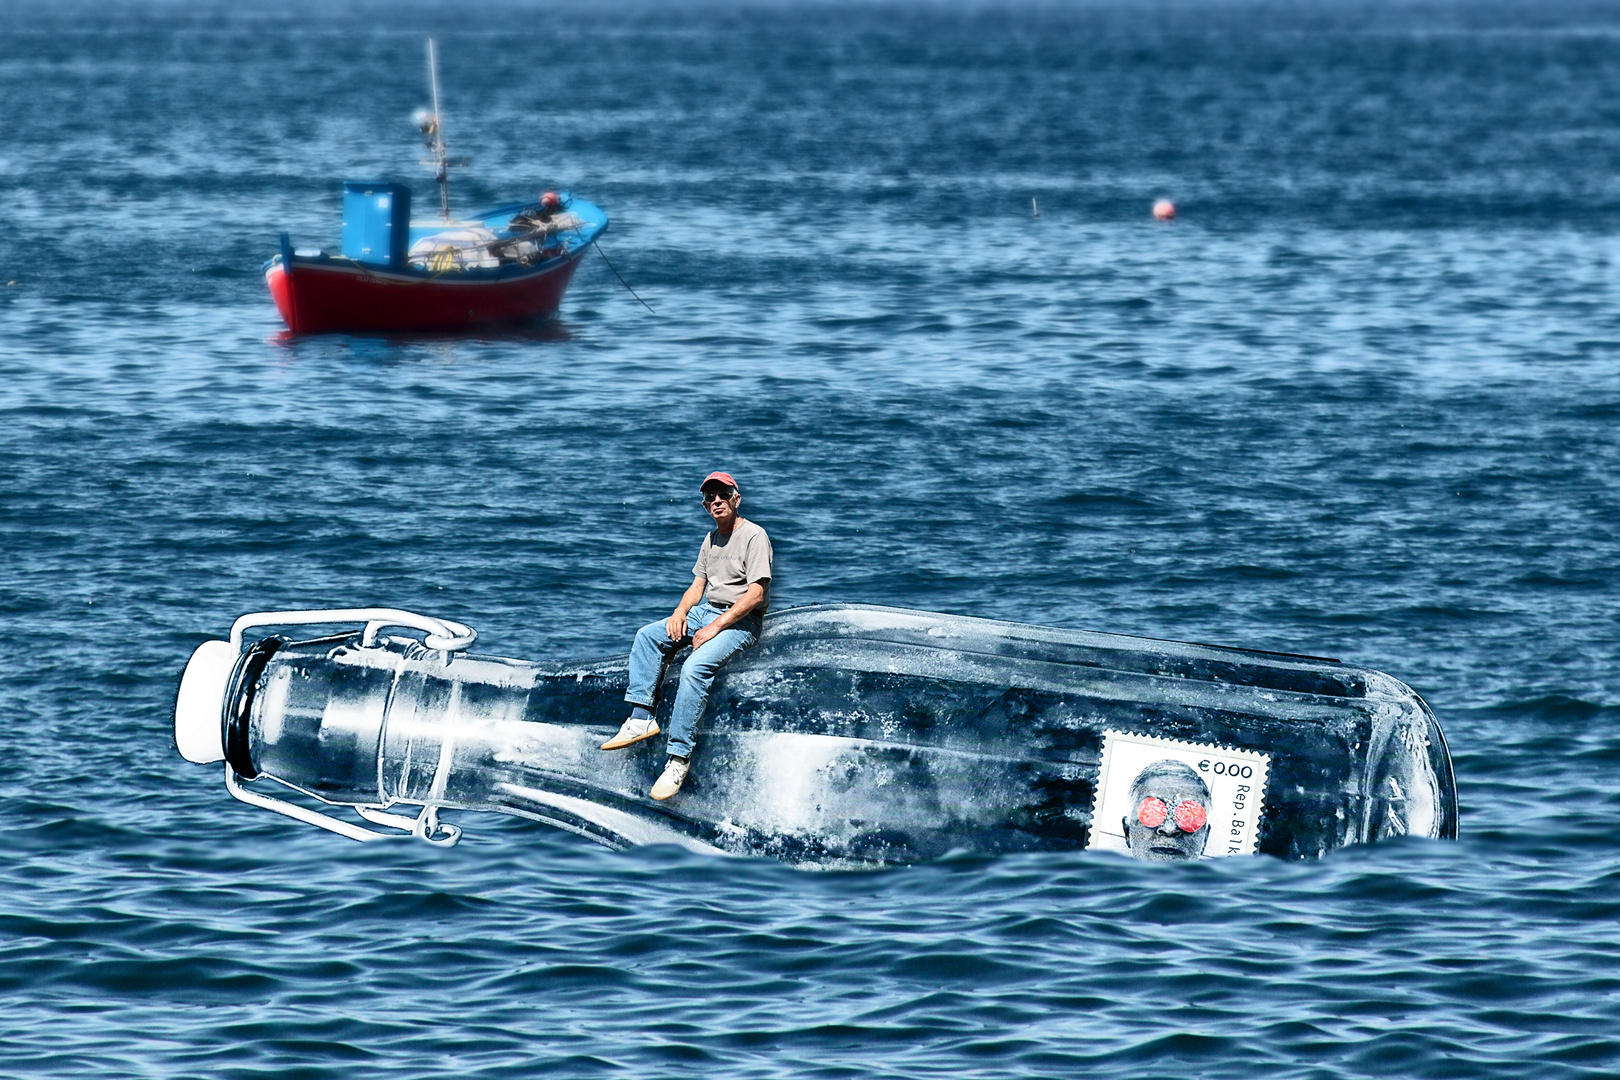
(1359, 399)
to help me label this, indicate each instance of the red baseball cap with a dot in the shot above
(723, 477)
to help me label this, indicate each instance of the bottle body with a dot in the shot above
(856, 735)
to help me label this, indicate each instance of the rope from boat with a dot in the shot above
(620, 276)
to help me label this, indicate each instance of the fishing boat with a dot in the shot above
(507, 265)
(850, 735)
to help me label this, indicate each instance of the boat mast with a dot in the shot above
(436, 140)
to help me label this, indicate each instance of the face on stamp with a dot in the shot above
(1169, 818)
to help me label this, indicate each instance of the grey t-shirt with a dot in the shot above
(732, 563)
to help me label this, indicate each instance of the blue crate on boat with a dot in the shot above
(376, 222)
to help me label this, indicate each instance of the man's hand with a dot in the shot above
(675, 625)
(704, 633)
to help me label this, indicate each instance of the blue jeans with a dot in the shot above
(650, 655)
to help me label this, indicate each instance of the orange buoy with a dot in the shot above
(1164, 210)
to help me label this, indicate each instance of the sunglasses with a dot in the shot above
(716, 496)
(1190, 815)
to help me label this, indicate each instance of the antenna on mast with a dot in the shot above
(433, 134)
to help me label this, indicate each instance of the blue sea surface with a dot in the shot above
(1361, 398)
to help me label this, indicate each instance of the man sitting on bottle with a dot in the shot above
(719, 615)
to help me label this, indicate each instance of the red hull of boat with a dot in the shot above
(319, 298)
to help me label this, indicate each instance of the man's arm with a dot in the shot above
(675, 625)
(751, 599)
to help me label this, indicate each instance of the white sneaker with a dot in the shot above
(674, 776)
(632, 732)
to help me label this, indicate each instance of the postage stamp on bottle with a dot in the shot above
(1167, 800)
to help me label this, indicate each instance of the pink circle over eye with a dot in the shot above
(1190, 816)
(1152, 812)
